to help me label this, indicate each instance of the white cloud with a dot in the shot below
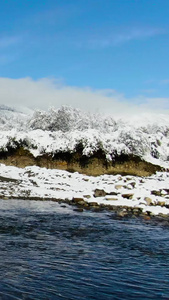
(120, 37)
(44, 93)
(137, 34)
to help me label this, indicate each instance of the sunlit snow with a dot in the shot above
(62, 130)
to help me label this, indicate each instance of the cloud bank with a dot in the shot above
(45, 93)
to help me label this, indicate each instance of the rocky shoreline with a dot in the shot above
(123, 196)
(117, 212)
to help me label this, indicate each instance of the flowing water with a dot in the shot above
(48, 251)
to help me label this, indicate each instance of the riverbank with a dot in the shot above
(125, 195)
(93, 165)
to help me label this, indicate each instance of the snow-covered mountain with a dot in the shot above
(64, 129)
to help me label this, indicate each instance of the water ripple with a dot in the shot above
(49, 252)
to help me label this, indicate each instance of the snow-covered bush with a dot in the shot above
(69, 119)
(64, 129)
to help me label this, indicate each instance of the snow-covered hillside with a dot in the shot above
(64, 129)
(12, 118)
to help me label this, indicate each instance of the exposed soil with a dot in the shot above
(76, 162)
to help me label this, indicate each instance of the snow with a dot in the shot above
(33, 182)
(64, 129)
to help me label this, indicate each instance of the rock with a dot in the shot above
(113, 194)
(128, 178)
(118, 187)
(111, 207)
(127, 196)
(87, 207)
(133, 184)
(142, 181)
(87, 196)
(85, 179)
(137, 211)
(161, 203)
(148, 200)
(122, 213)
(156, 193)
(97, 209)
(99, 193)
(93, 204)
(111, 198)
(78, 209)
(149, 213)
(129, 187)
(163, 193)
(146, 218)
(82, 203)
(78, 200)
(163, 215)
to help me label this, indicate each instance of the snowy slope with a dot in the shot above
(12, 118)
(62, 130)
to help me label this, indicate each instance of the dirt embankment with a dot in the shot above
(76, 162)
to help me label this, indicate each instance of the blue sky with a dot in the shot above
(117, 46)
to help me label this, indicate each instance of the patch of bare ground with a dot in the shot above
(94, 165)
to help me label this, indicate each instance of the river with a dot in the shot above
(49, 251)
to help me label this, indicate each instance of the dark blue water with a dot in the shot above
(51, 252)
